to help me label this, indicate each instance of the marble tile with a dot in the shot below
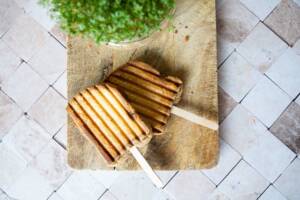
(272, 194)
(217, 195)
(80, 185)
(165, 176)
(9, 11)
(11, 167)
(270, 165)
(297, 2)
(234, 22)
(50, 102)
(262, 47)
(105, 177)
(9, 62)
(190, 185)
(25, 37)
(163, 195)
(4, 196)
(9, 114)
(39, 13)
(21, 3)
(226, 104)
(285, 72)
(284, 20)
(26, 138)
(261, 8)
(108, 196)
(296, 47)
(30, 185)
(50, 62)
(288, 183)
(243, 183)
(245, 133)
(227, 160)
(108, 177)
(236, 76)
(133, 186)
(61, 136)
(61, 84)
(240, 129)
(266, 101)
(51, 164)
(286, 127)
(54, 196)
(24, 86)
(59, 34)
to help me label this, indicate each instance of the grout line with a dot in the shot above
(11, 99)
(232, 147)
(71, 173)
(254, 116)
(56, 140)
(53, 192)
(276, 85)
(17, 68)
(240, 102)
(257, 171)
(32, 118)
(52, 86)
(226, 58)
(41, 76)
(278, 4)
(286, 168)
(275, 137)
(39, 97)
(278, 190)
(263, 191)
(229, 172)
(246, 7)
(209, 179)
(279, 36)
(65, 71)
(105, 191)
(170, 179)
(298, 95)
(281, 114)
(247, 35)
(53, 36)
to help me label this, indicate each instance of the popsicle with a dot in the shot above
(110, 123)
(153, 96)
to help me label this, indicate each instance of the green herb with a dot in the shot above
(110, 20)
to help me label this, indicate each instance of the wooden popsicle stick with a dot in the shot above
(194, 118)
(146, 167)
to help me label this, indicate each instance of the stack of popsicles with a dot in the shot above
(108, 115)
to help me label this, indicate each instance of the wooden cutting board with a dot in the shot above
(188, 52)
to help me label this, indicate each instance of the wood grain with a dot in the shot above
(187, 52)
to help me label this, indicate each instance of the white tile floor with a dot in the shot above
(259, 70)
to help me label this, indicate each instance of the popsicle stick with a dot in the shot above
(146, 167)
(195, 118)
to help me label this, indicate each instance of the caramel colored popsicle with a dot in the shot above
(151, 95)
(111, 124)
(108, 121)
